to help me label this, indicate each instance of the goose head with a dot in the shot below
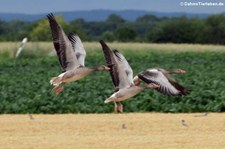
(180, 71)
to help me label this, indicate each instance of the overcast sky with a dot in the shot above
(46, 6)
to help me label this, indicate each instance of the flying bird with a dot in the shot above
(71, 55)
(122, 78)
(168, 85)
(21, 47)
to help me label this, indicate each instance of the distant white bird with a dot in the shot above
(19, 50)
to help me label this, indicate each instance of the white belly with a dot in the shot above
(78, 74)
(127, 93)
(74, 78)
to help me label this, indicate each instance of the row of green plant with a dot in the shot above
(25, 87)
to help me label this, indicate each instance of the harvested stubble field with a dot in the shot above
(138, 131)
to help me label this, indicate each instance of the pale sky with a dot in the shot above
(46, 6)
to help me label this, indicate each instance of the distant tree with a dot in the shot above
(143, 24)
(176, 30)
(125, 34)
(214, 29)
(13, 30)
(3, 30)
(78, 26)
(113, 18)
(78, 22)
(113, 22)
(19, 27)
(41, 30)
(147, 28)
(108, 36)
(147, 19)
(96, 30)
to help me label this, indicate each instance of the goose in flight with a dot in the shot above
(71, 55)
(122, 77)
(168, 85)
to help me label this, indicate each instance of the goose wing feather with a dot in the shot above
(111, 63)
(125, 72)
(78, 48)
(157, 77)
(63, 46)
(183, 90)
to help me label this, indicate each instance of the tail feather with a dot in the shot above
(185, 91)
(55, 81)
(109, 99)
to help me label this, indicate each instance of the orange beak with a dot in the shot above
(182, 71)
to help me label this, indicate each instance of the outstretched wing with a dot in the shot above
(125, 72)
(111, 63)
(120, 71)
(183, 90)
(157, 77)
(63, 47)
(78, 47)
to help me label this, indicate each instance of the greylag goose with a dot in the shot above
(122, 77)
(168, 85)
(71, 55)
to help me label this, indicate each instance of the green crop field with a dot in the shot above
(25, 87)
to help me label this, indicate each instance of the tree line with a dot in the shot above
(148, 28)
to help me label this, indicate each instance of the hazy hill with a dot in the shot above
(96, 15)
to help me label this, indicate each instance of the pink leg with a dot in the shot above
(115, 107)
(120, 107)
(55, 88)
(59, 89)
